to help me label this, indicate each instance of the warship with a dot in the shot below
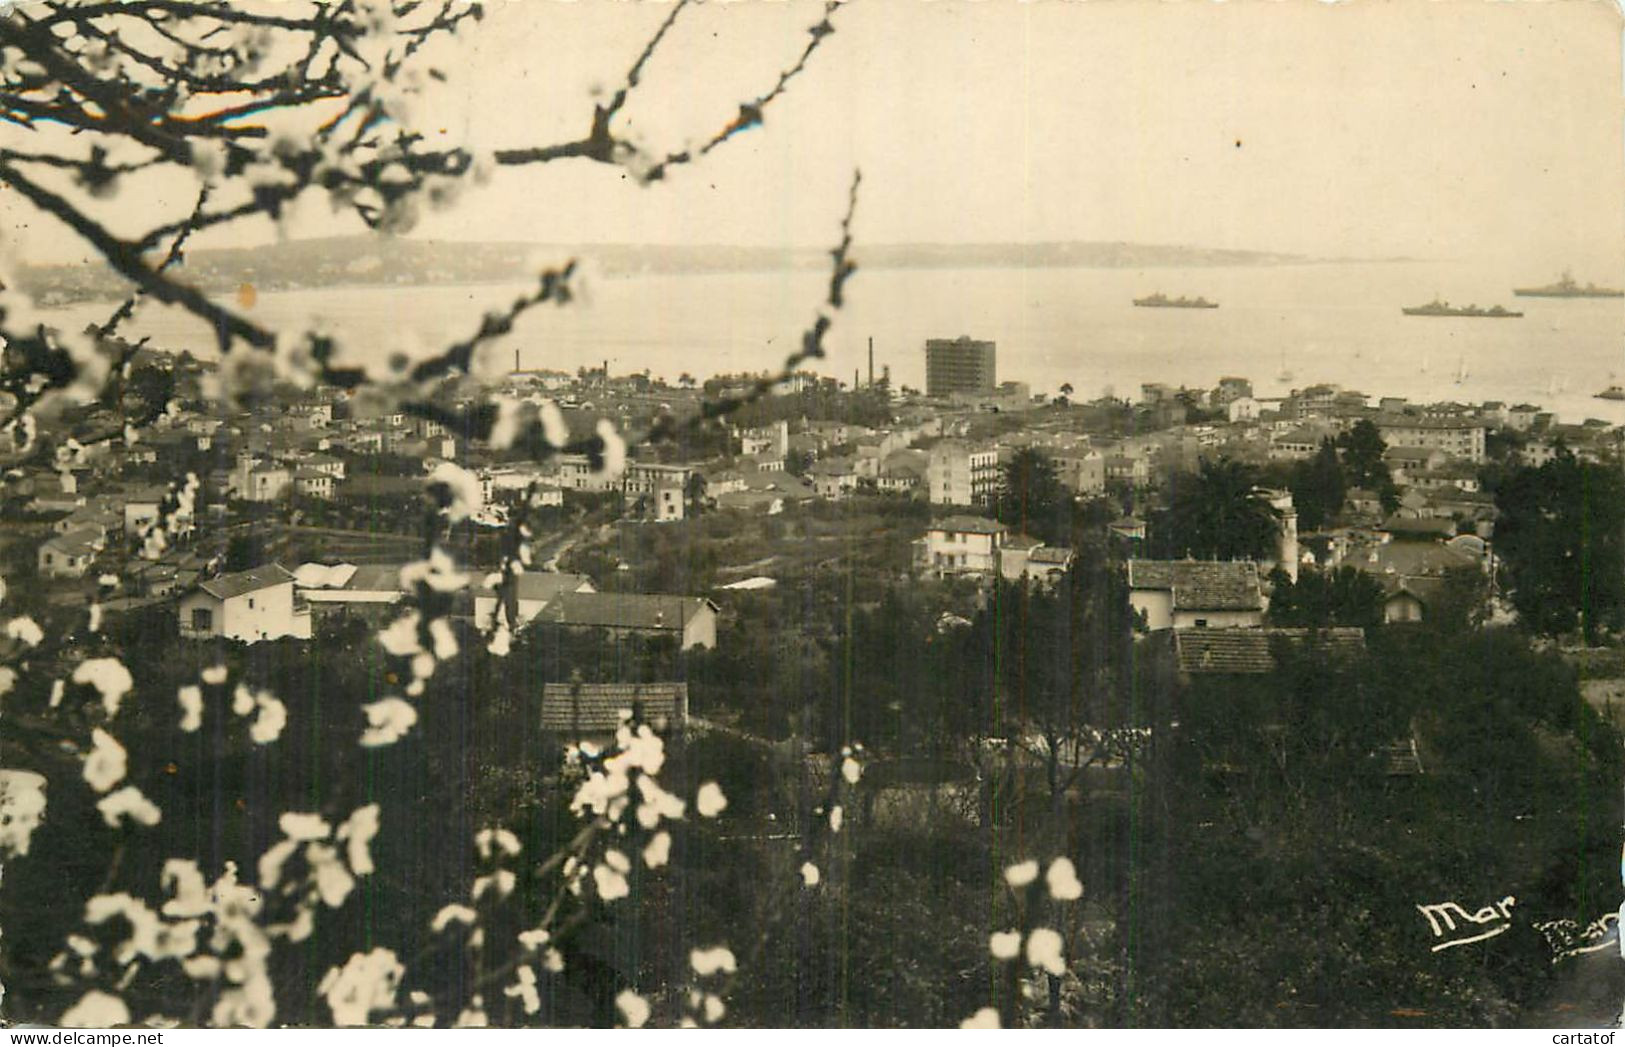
(1567, 288)
(1438, 308)
(1162, 301)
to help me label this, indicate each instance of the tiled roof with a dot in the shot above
(1050, 554)
(1427, 525)
(969, 525)
(226, 586)
(1242, 651)
(1201, 585)
(595, 708)
(76, 543)
(623, 610)
(542, 586)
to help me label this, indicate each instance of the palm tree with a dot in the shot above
(1220, 513)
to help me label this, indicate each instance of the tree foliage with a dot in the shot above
(1342, 596)
(1561, 537)
(1220, 513)
(1318, 488)
(1031, 497)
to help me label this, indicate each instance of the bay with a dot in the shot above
(1336, 323)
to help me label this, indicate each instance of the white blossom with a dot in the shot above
(836, 817)
(706, 962)
(554, 428)
(253, 1005)
(300, 827)
(610, 884)
(535, 939)
(129, 803)
(357, 834)
(1063, 882)
(465, 497)
(614, 449)
(458, 913)
(25, 630)
(1004, 945)
(634, 1008)
(714, 1008)
(525, 989)
(96, 1010)
(267, 727)
(986, 1018)
(851, 770)
(22, 806)
(107, 762)
(109, 677)
(191, 894)
(658, 852)
(473, 1016)
(401, 637)
(388, 720)
(366, 983)
(333, 880)
(1044, 950)
(143, 922)
(190, 698)
(273, 859)
(1021, 874)
(709, 801)
(809, 874)
(502, 882)
(214, 675)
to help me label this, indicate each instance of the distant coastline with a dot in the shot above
(364, 261)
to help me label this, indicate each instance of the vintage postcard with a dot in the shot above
(876, 513)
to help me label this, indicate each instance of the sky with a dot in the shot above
(1450, 129)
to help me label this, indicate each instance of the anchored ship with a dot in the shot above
(1613, 392)
(1567, 288)
(1162, 301)
(1438, 308)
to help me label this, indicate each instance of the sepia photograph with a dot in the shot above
(811, 514)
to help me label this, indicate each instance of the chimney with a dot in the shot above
(871, 360)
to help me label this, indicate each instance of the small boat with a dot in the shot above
(1613, 392)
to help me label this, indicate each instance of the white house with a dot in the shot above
(961, 545)
(313, 483)
(1196, 594)
(265, 483)
(250, 606)
(69, 555)
(668, 503)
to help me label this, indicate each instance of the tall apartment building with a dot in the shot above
(959, 365)
(1462, 437)
(959, 474)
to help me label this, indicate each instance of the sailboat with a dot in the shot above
(1461, 371)
(1285, 374)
